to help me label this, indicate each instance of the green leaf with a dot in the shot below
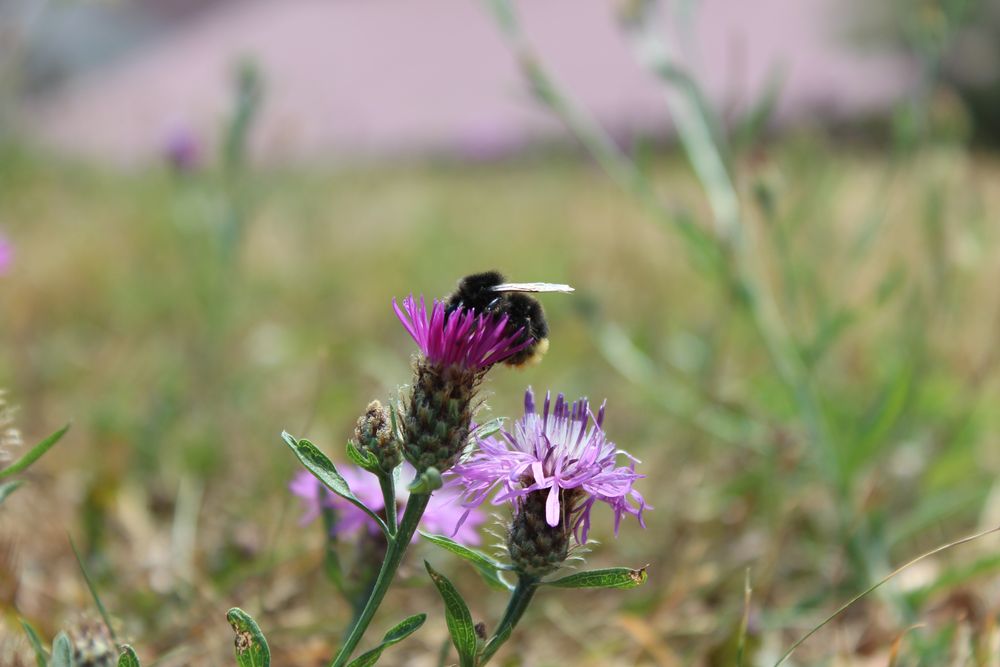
(361, 459)
(323, 469)
(251, 646)
(487, 567)
(612, 577)
(396, 634)
(128, 658)
(34, 454)
(8, 488)
(41, 655)
(458, 617)
(62, 651)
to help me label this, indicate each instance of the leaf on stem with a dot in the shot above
(396, 634)
(62, 651)
(458, 617)
(426, 482)
(251, 646)
(323, 469)
(34, 453)
(486, 566)
(612, 577)
(128, 658)
(365, 460)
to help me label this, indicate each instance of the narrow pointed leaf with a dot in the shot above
(34, 453)
(62, 651)
(458, 617)
(396, 634)
(41, 655)
(323, 469)
(8, 488)
(612, 577)
(487, 567)
(93, 593)
(128, 658)
(251, 647)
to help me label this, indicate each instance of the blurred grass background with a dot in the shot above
(179, 369)
(183, 319)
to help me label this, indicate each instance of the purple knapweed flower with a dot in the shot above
(6, 255)
(458, 347)
(462, 337)
(441, 516)
(561, 457)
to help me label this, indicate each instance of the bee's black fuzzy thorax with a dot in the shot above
(523, 312)
(476, 292)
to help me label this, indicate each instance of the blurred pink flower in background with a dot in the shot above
(6, 255)
(443, 514)
(181, 148)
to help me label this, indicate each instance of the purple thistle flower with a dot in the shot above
(6, 255)
(442, 515)
(460, 338)
(562, 453)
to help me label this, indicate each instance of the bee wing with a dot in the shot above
(532, 287)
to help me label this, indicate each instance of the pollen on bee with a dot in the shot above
(538, 351)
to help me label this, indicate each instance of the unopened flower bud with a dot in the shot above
(373, 434)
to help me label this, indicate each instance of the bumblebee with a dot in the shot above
(489, 293)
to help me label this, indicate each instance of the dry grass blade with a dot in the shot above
(897, 643)
(846, 605)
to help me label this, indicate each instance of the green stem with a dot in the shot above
(415, 506)
(388, 484)
(519, 601)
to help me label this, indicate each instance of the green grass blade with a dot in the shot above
(41, 655)
(34, 454)
(93, 592)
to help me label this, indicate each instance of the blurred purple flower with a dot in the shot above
(181, 149)
(459, 338)
(563, 451)
(6, 255)
(443, 513)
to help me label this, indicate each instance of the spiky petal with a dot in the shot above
(462, 337)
